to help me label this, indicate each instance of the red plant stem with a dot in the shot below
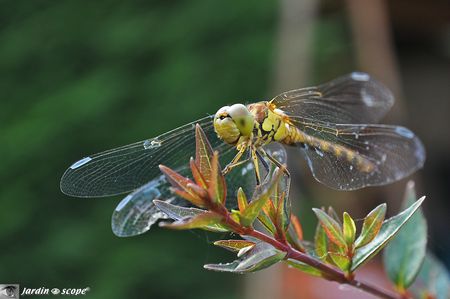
(329, 272)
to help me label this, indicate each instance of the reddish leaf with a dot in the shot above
(217, 189)
(331, 227)
(198, 177)
(187, 196)
(203, 153)
(180, 184)
(371, 226)
(297, 227)
(269, 210)
(294, 234)
(202, 193)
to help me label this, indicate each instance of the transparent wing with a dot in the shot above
(136, 213)
(354, 98)
(368, 155)
(127, 168)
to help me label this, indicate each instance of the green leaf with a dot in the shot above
(337, 255)
(261, 196)
(281, 215)
(340, 260)
(388, 230)
(234, 245)
(181, 214)
(404, 255)
(332, 228)
(283, 203)
(321, 242)
(348, 229)
(371, 226)
(433, 280)
(217, 189)
(242, 200)
(203, 153)
(267, 223)
(203, 221)
(261, 256)
(304, 267)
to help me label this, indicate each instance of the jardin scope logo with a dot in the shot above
(13, 291)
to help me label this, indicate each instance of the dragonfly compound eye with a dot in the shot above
(232, 122)
(242, 118)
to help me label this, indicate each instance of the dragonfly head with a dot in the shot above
(232, 122)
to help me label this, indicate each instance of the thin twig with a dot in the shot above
(329, 272)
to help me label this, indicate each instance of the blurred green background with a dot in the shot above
(79, 77)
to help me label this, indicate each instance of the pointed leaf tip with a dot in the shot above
(388, 230)
(261, 256)
(217, 189)
(371, 226)
(348, 229)
(181, 214)
(198, 177)
(203, 153)
(321, 242)
(331, 227)
(242, 200)
(205, 221)
(181, 185)
(404, 255)
(234, 245)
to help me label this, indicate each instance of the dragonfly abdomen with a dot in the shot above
(298, 137)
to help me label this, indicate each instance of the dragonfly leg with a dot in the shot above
(256, 164)
(277, 163)
(263, 162)
(235, 162)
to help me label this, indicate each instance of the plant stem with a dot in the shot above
(329, 272)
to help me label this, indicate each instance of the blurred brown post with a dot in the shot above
(291, 68)
(374, 49)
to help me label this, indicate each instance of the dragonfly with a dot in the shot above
(333, 125)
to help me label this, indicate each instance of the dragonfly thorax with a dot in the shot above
(271, 124)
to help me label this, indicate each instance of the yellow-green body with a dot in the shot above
(272, 124)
